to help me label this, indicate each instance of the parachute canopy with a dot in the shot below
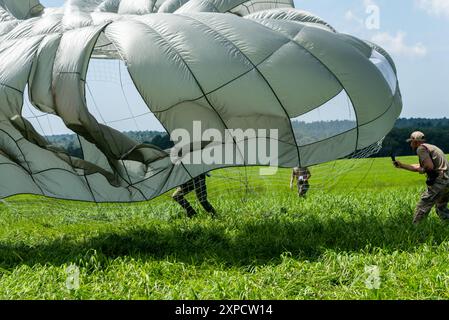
(228, 64)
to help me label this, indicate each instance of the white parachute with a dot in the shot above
(228, 64)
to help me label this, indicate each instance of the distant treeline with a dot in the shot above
(70, 142)
(436, 130)
(310, 132)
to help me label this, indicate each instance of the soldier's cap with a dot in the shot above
(417, 136)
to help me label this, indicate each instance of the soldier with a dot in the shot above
(302, 175)
(199, 185)
(434, 163)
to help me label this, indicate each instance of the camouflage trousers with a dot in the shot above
(303, 188)
(199, 185)
(436, 195)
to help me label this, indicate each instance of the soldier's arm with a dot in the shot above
(292, 180)
(428, 165)
(410, 167)
(425, 159)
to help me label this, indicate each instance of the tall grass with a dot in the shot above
(265, 244)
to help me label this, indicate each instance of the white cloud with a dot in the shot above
(396, 45)
(434, 7)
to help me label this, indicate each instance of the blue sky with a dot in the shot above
(414, 32)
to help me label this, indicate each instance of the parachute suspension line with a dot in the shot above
(334, 164)
(49, 125)
(365, 153)
(101, 116)
(365, 175)
(30, 108)
(125, 97)
(129, 118)
(246, 180)
(95, 103)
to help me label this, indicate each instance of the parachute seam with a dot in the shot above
(81, 175)
(153, 6)
(148, 178)
(329, 138)
(319, 106)
(76, 175)
(138, 190)
(58, 169)
(240, 4)
(89, 55)
(84, 171)
(259, 72)
(37, 119)
(225, 84)
(213, 5)
(188, 172)
(382, 114)
(37, 172)
(10, 87)
(252, 4)
(124, 95)
(88, 184)
(347, 131)
(193, 75)
(246, 139)
(122, 202)
(64, 152)
(329, 70)
(14, 165)
(166, 180)
(29, 171)
(134, 83)
(247, 9)
(341, 84)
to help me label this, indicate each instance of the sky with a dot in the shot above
(414, 32)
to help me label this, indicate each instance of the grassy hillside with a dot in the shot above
(265, 244)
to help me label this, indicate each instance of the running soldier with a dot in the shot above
(302, 175)
(199, 185)
(434, 163)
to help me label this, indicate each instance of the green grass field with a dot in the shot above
(266, 243)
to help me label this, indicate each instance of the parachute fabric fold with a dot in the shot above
(230, 64)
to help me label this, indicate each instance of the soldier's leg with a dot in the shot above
(306, 188)
(428, 200)
(300, 188)
(178, 196)
(201, 194)
(442, 203)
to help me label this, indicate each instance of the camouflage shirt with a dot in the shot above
(301, 172)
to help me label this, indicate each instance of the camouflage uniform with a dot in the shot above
(437, 194)
(199, 185)
(302, 175)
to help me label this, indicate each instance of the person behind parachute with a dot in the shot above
(199, 185)
(302, 175)
(434, 163)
